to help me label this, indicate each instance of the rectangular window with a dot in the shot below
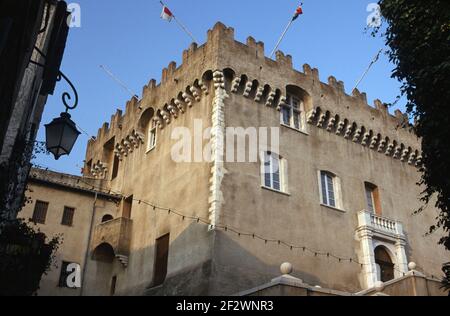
(115, 169)
(152, 136)
(273, 173)
(67, 219)
(291, 113)
(161, 260)
(369, 199)
(373, 203)
(328, 189)
(40, 212)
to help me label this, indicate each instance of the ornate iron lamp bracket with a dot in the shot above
(66, 98)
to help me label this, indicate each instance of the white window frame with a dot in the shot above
(336, 190)
(294, 111)
(152, 136)
(283, 176)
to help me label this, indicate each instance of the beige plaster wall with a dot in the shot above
(75, 237)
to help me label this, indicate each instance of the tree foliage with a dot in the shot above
(25, 256)
(25, 253)
(418, 35)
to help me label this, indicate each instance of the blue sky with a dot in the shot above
(135, 44)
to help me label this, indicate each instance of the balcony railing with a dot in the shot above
(384, 223)
(379, 224)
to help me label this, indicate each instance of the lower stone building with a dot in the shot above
(73, 209)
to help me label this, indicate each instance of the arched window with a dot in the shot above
(107, 218)
(148, 126)
(384, 264)
(293, 113)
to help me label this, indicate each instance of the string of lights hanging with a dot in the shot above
(228, 229)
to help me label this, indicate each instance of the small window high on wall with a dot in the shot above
(274, 172)
(68, 214)
(40, 212)
(291, 112)
(152, 136)
(330, 190)
(115, 170)
(373, 202)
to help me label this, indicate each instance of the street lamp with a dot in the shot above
(62, 133)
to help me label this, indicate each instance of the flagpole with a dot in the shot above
(282, 37)
(117, 80)
(368, 69)
(181, 25)
(185, 29)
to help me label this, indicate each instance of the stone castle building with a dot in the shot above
(335, 198)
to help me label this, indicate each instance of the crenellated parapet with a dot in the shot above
(128, 131)
(250, 74)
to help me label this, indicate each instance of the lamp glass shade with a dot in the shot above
(61, 135)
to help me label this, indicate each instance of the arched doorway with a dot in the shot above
(103, 269)
(384, 263)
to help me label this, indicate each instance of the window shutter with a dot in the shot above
(40, 212)
(68, 214)
(285, 173)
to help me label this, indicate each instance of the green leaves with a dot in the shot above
(25, 255)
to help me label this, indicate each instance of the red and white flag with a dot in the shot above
(298, 12)
(166, 14)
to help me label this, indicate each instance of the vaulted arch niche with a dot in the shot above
(145, 120)
(104, 253)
